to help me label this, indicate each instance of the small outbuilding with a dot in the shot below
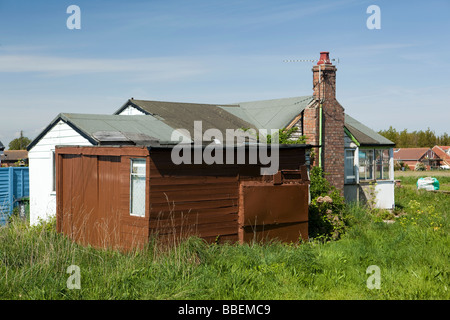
(119, 196)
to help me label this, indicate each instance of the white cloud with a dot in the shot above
(155, 68)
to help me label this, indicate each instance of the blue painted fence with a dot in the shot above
(14, 184)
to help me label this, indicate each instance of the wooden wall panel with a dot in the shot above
(192, 199)
(93, 198)
(202, 200)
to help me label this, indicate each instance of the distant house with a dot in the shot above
(411, 156)
(2, 147)
(446, 149)
(443, 152)
(14, 158)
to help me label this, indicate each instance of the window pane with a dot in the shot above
(378, 164)
(366, 164)
(138, 195)
(386, 164)
(137, 190)
(53, 171)
(350, 175)
(138, 167)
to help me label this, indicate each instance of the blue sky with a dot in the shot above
(222, 52)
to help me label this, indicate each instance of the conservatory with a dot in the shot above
(369, 166)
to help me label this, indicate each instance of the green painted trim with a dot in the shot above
(320, 134)
(376, 147)
(351, 136)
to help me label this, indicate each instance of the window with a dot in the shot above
(378, 164)
(366, 165)
(137, 187)
(350, 172)
(374, 164)
(385, 164)
(382, 164)
(53, 171)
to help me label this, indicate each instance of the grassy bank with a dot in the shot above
(412, 255)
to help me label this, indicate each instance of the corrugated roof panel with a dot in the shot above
(92, 125)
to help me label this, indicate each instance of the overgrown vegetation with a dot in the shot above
(327, 209)
(286, 136)
(412, 254)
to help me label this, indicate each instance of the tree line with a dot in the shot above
(415, 139)
(20, 143)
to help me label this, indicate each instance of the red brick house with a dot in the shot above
(443, 152)
(411, 156)
(14, 158)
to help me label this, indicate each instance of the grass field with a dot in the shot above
(411, 254)
(409, 178)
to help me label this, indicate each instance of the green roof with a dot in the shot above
(106, 128)
(162, 118)
(364, 135)
(261, 114)
(271, 114)
(102, 129)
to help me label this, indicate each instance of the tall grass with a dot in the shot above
(412, 255)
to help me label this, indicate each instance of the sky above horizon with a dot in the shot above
(222, 52)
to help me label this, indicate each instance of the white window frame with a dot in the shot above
(132, 161)
(350, 179)
(389, 172)
(53, 170)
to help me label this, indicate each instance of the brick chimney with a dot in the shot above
(323, 122)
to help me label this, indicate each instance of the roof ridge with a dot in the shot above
(196, 103)
(275, 99)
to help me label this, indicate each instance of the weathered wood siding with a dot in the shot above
(204, 199)
(93, 195)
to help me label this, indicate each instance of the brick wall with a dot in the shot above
(310, 130)
(332, 124)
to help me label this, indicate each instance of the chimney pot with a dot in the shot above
(324, 58)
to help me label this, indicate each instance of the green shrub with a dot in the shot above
(326, 211)
(419, 167)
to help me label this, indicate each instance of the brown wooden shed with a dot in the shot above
(118, 196)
